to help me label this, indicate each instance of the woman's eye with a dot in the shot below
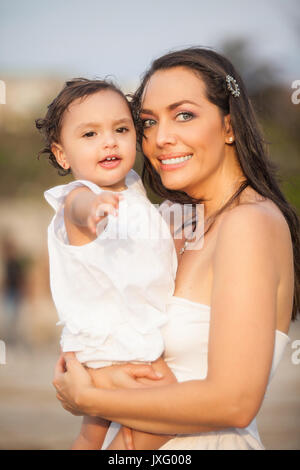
(184, 116)
(89, 134)
(148, 123)
(122, 130)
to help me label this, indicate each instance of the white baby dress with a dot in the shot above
(111, 294)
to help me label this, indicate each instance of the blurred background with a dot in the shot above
(42, 44)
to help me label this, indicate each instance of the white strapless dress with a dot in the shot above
(186, 346)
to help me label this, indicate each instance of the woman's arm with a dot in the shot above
(241, 344)
(72, 381)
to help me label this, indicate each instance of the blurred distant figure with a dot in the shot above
(12, 288)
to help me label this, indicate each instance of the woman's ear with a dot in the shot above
(229, 135)
(60, 156)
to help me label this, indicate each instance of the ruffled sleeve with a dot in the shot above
(56, 196)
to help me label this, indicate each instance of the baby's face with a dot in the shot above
(98, 139)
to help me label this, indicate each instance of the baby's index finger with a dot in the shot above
(104, 209)
(118, 196)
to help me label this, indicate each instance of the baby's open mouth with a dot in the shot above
(110, 158)
(110, 161)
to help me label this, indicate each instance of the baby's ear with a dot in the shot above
(60, 156)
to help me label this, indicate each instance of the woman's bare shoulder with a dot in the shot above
(257, 230)
(255, 214)
(255, 235)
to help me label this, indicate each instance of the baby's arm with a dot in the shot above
(92, 434)
(83, 210)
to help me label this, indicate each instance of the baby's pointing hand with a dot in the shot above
(105, 203)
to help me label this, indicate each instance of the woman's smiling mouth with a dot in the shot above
(169, 162)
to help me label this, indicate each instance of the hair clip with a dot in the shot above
(232, 86)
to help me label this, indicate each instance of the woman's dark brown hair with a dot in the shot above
(50, 125)
(251, 149)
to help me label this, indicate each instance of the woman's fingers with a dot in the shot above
(61, 364)
(69, 378)
(156, 374)
(60, 368)
(76, 373)
(59, 397)
(128, 438)
(143, 370)
(66, 406)
(69, 356)
(71, 410)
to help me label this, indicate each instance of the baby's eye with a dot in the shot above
(89, 134)
(122, 130)
(148, 123)
(184, 116)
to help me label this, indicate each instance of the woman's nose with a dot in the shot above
(164, 135)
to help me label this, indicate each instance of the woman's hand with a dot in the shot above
(132, 376)
(124, 376)
(71, 380)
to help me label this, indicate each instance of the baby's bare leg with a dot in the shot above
(143, 440)
(92, 434)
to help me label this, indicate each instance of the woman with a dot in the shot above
(236, 293)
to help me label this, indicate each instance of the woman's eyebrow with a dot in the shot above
(170, 106)
(146, 111)
(179, 103)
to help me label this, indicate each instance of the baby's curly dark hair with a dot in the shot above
(50, 125)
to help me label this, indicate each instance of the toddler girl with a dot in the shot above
(112, 258)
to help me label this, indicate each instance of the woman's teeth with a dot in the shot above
(171, 161)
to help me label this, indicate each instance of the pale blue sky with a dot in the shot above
(95, 37)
